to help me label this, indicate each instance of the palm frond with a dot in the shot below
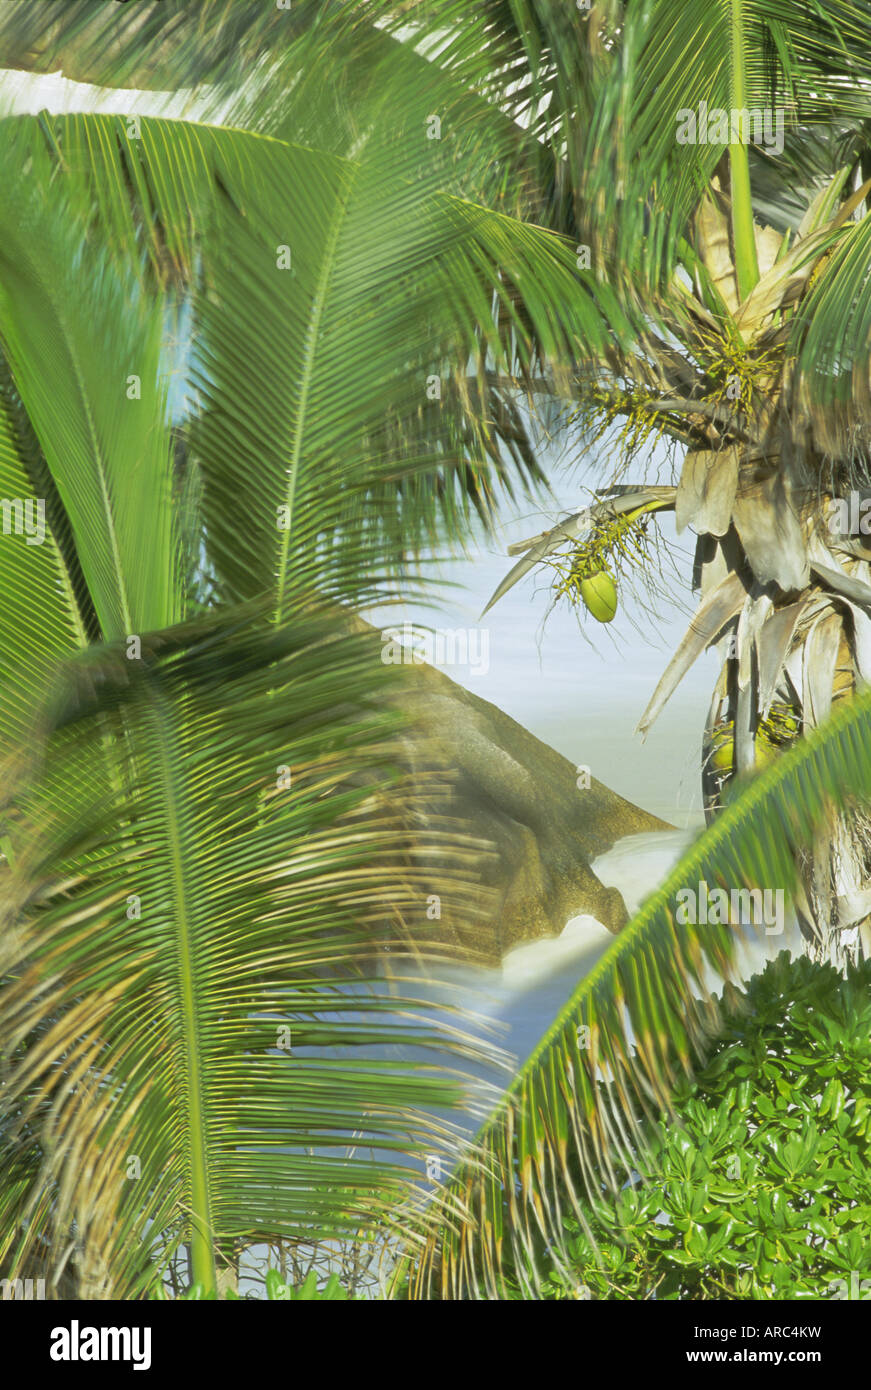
(486, 290)
(34, 578)
(95, 401)
(830, 337)
(160, 44)
(157, 949)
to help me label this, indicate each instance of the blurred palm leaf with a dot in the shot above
(157, 946)
(165, 893)
(159, 44)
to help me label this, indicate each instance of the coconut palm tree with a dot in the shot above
(752, 362)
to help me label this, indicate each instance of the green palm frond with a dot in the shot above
(262, 69)
(159, 947)
(85, 444)
(95, 401)
(488, 295)
(831, 339)
(160, 44)
(35, 578)
(316, 330)
(577, 1111)
(158, 779)
(398, 290)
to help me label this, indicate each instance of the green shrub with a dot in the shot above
(760, 1186)
(309, 1291)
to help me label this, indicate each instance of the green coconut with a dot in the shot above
(722, 748)
(599, 593)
